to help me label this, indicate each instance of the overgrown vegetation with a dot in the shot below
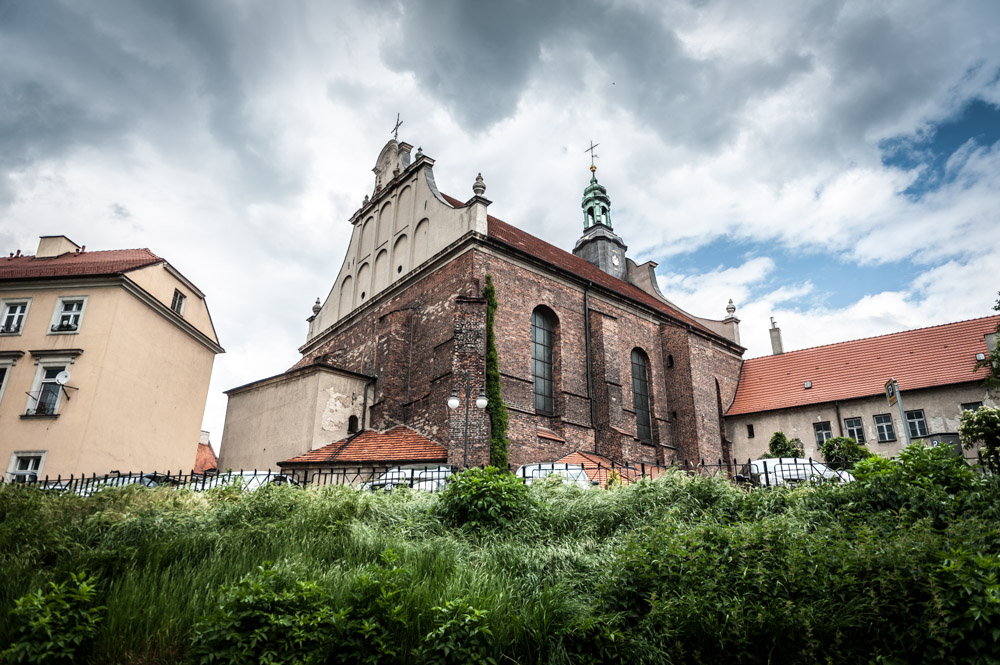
(842, 453)
(899, 566)
(982, 426)
(495, 406)
(781, 446)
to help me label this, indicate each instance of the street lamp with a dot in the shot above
(481, 403)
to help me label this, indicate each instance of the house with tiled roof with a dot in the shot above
(105, 360)
(362, 456)
(839, 390)
(593, 357)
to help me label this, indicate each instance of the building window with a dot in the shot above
(177, 304)
(68, 315)
(971, 406)
(750, 433)
(542, 338)
(352, 424)
(883, 425)
(855, 429)
(823, 432)
(44, 398)
(915, 421)
(12, 318)
(4, 372)
(640, 396)
(25, 466)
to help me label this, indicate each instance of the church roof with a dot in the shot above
(399, 444)
(76, 264)
(923, 358)
(560, 258)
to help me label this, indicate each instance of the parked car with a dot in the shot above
(790, 471)
(571, 474)
(419, 477)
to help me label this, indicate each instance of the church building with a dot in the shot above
(593, 358)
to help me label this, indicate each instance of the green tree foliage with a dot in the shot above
(983, 425)
(842, 453)
(484, 498)
(781, 446)
(495, 407)
(992, 362)
(56, 625)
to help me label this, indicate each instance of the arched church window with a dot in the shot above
(542, 343)
(640, 395)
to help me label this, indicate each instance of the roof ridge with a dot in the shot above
(864, 339)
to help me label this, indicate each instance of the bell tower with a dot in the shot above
(599, 244)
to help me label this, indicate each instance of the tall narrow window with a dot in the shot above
(68, 314)
(13, 317)
(542, 337)
(883, 425)
(823, 432)
(915, 421)
(44, 400)
(177, 304)
(640, 396)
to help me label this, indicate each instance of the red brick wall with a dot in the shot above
(421, 341)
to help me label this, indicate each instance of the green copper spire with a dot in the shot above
(596, 203)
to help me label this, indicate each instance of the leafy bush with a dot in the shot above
(842, 453)
(487, 497)
(780, 446)
(57, 625)
(983, 425)
(460, 636)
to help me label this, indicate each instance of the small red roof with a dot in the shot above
(598, 467)
(924, 358)
(515, 237)
(205, 459)
(108, 262)
(399, 444)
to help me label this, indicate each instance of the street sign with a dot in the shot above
(890, 392)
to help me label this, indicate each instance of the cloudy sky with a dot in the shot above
(835, 165)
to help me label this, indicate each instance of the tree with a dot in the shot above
(495, 407)
(992, 361)
(842, 453)
(780, 446)
(983, 426)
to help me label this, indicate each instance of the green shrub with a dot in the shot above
(780, 446)
(842, 453)
(460, 636)
(488, 497)
(57, 625)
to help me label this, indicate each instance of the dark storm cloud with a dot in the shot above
(479, 58)
(95, 75)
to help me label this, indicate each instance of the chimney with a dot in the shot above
(50, 246)
(776, 346)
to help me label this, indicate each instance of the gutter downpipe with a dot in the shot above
(840, 421)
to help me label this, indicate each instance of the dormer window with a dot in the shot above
(68, 314)
(177, 304)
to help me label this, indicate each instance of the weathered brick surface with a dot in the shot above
(421, 342)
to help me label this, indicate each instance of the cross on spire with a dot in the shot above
(593, 155)
(395, 130)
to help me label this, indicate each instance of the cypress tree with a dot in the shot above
(496, 408)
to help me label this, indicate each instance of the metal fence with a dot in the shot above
(432, 478)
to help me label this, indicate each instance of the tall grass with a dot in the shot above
(681, 569)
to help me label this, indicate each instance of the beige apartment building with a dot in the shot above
(105, 361)
(839, 390)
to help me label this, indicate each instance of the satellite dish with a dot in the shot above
(62, 377)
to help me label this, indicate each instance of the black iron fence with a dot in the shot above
(432, 478)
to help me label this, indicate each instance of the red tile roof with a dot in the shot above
(205, 459)
(399, 444)
(923, 358)
(597, 467)
(73, 264)
(515, 237)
